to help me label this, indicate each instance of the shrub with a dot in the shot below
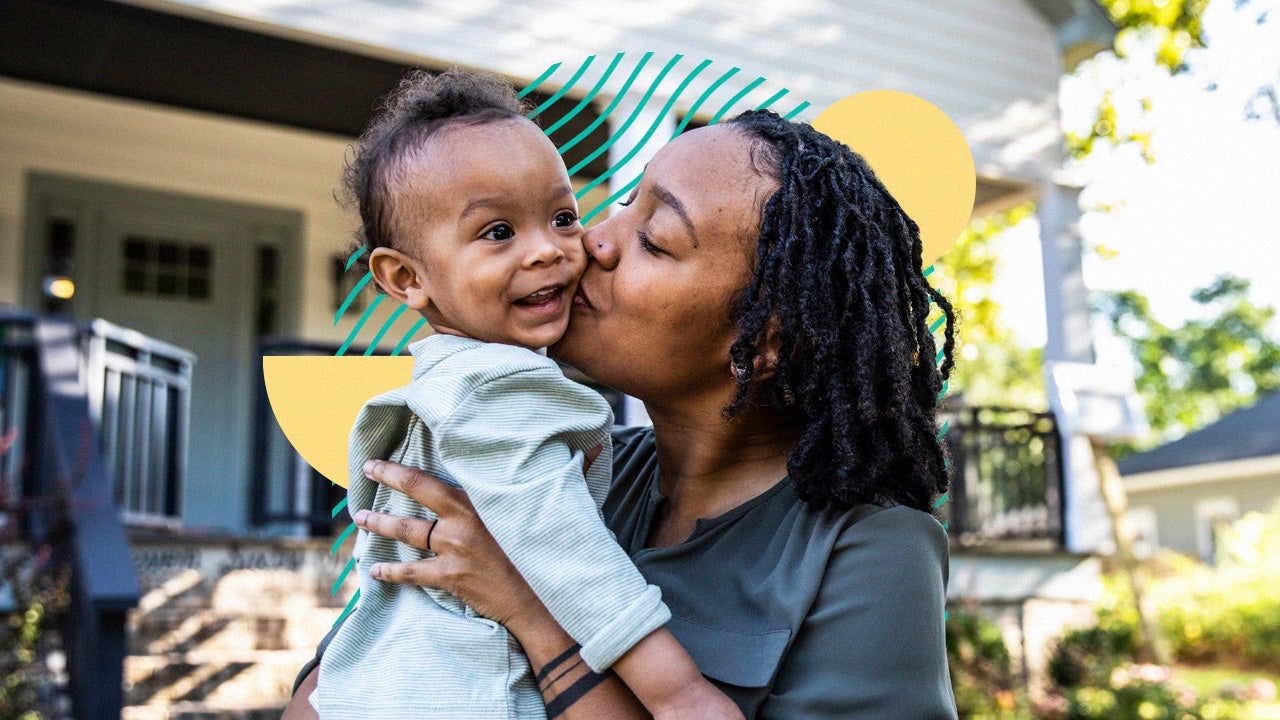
(982, 677)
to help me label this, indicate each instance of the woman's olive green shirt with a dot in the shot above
(796, 613)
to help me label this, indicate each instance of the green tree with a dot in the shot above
(991, 368)
(1192, 374)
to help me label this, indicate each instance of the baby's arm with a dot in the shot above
(506, 446)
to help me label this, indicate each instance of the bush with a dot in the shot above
(1229, 613)
(982, 677)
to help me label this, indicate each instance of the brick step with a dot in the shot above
(216, 679)
(182, 630)
(199, 711)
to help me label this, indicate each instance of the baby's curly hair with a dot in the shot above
(838, 292)
(422, 104)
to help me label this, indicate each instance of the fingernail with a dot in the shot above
(368, 468)
(376, 572)
(360, 516)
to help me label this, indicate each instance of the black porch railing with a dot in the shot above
(56, 472)
(286, 496)
(1006, 477)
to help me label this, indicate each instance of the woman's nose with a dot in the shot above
(600, 247)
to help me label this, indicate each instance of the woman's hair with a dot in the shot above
(378, 164)
(838, 292)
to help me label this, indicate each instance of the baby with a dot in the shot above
(472, 222)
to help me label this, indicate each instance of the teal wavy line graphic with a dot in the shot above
(560, 93)
(741, 94)
(796, 111)
(635, 181)
(630, 118)
(666, 77)
(356, 256)
(697, 104)
(351, 296)
(343, 576)
(373, 344)
(408, 335)
(657, 122)
(608, 110)
(590, 96)
(772, 99)
(377, 300)
(538, 81)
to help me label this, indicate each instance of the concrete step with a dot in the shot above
(200, 711)
(231, 574)
(217, 679)
(181, 630)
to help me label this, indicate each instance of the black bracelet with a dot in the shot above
(556, 662)
(574, 692)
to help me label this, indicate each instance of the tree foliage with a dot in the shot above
(1190, 375)
(992, 369)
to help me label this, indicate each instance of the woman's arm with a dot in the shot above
(873, 645)
(471, 566)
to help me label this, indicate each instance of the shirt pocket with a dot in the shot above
(745, 659)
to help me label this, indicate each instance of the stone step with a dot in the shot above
(235, 575)
(181, 630)
(200, 711)
(217, 679)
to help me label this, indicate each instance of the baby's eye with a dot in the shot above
(566, 219)
(500, 232)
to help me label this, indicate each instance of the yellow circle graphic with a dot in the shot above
(919, 155)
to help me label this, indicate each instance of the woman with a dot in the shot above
(762, 293)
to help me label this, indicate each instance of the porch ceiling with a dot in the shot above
(992, 65)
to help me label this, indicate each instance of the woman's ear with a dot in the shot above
(400, 276)
(766, 362)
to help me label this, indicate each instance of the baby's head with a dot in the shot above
(467, 210)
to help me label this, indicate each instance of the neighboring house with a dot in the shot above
(1182, 492)
(176, 160)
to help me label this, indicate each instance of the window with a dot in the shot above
(1212, 517)
(167, 268)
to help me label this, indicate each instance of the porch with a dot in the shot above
(170, 621)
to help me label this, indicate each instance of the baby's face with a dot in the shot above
(494, 220)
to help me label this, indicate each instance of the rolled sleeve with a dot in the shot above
(516, 445)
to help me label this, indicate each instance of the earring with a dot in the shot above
(739, 371)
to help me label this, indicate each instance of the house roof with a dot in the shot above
(1251, 432)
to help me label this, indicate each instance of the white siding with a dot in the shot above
(991, 65)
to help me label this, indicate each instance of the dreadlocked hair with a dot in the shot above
(379, 164)
(838, 293)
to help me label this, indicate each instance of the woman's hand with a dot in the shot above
(468, 562)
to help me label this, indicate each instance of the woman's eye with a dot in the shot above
(646, 245)
(631, 198)
(566, 219)
(500, 232)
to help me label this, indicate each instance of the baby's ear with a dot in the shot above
(399, 276)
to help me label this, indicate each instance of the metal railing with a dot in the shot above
(286, 496)
(61, 480)
(140, 400)
(1006, 476)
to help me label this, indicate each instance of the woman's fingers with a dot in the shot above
(410, 531)
(426, 489)
(421, 572)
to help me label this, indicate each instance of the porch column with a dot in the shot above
(1070, 339)
(641, 120)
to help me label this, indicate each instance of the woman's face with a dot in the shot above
(652, 317)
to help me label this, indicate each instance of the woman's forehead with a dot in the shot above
(710, 170)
